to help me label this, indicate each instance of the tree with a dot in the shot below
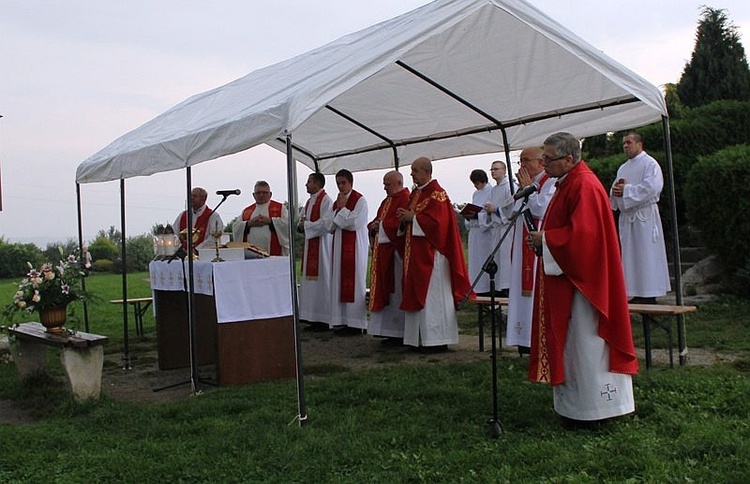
(112, 234)
(718, 67)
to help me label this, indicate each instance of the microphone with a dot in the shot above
(526, 191)
(226, 193)
(528, 221)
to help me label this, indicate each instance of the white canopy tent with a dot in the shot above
(439, 81)
(452, 78)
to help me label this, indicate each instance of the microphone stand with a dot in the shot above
(195, 373)
(490, 267)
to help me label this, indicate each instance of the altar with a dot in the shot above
(243, 317)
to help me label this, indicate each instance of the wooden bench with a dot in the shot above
(660, 315)
(82, 356)
(140, 306)
(483, 306)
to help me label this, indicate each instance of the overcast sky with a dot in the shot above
(76, 75)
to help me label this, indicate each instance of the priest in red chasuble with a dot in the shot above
(581, 336)
(435, 275)
(204, 220)
(265, 223)
(348, 224)
(386, 268)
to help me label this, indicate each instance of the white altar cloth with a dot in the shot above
(244, 290)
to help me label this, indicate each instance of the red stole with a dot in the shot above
(436, 217)
(580, 234)
(528, 256)
(201, 223)
(274, 211)
(312, 256)
(348, 253)
(382, 273)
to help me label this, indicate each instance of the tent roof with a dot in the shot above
(442, 81)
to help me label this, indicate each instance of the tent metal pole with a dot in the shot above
(81, 261)
(477, 129)
(368, 129)
(506, 149)
(123, 259)
(192, 339)
(677, 257)
(293, 220)
(304, 152)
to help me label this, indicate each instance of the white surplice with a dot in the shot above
(436, 324)
(520, 304)
(499, 222)
(261, 236)
(315, 294)
(590, 391)
(644, 256)
(352, 314)
(480, 240)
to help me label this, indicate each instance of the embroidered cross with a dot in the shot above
(608, 392)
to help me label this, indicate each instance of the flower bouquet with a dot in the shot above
(49, 289)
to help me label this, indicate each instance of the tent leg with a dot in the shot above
(292, 190)
(677, 258)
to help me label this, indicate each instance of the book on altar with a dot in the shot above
(470, 211)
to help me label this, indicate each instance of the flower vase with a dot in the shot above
(53, 319)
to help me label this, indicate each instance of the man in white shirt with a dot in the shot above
(635, 193)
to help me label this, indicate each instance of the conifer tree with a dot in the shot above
(718, 67)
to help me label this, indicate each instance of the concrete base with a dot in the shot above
(84, 370)
(83, 366)
(30, 358)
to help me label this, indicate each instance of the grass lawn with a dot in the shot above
(410, 423)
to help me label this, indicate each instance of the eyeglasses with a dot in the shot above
(547, 159)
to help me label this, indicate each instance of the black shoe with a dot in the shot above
(573, 424)
(432, 350)
(524, 350)
(347, 331)
(391, 341)
(315, 326)
(642, 300)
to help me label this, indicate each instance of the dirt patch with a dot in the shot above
(322, 353)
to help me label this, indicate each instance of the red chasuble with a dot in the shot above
(201, 224)
(528, 256)
(434, 212)
(580, 234)
(382, 276)
(274, 211)
(312, 254)
(348, 253)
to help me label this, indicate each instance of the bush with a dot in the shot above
(140, 251)
(719, 207)
(13, 259)
(103, 248)
(103, 265)
(52, 252)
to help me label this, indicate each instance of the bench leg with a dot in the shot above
(30, 357)
(647, 339)
(83, 368)
(481, 327)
